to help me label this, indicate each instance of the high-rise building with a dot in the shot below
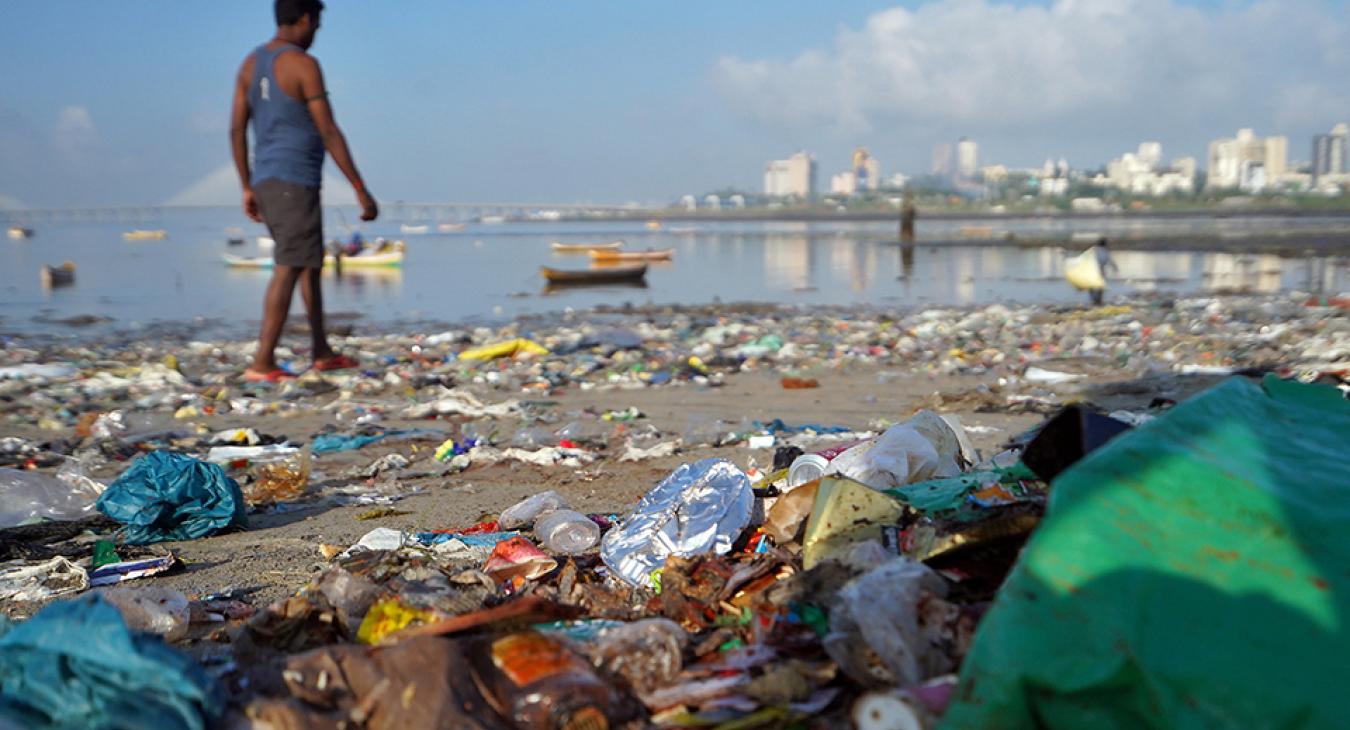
(794, 176)
(1150, 154)
(1246, 161)
(1331, 152)
(866, 170)
(967, 159)
(942, 159)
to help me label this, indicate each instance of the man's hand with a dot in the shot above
(251, 206)
(369, 210)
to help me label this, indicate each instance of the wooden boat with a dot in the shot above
(451, 227)
(54, 276)
(560, 247)
(18, 233)
(386, 259)
(142, 235)
(653, 225)
(648, 255)
(636, 272)
(412, 229)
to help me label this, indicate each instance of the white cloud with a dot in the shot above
(1076, 66)
(221, 187)
(75, 132)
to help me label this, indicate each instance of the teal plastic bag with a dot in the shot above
(169, 496)
(76, 665)
(1188, 574)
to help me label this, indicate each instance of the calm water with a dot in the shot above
(492, 271)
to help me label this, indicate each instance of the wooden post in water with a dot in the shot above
(907, 215)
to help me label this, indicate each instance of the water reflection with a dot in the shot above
(1242, 273)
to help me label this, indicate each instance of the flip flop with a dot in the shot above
(275, 376)
(335, 362)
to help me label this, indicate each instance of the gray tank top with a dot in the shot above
(287, 145)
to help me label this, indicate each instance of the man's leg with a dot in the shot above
(276, 306)
(311, 291)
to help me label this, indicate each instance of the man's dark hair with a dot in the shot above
(1101, 241)
(289, 12)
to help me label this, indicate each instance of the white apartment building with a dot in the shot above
(1247, 162)
(967, 159)
(794, 176)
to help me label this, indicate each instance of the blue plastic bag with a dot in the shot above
(169, 496)
(77, 665)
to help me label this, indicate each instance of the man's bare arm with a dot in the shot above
(315, 95)
(239, 115)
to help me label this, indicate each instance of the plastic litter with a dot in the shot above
(700, 508)
(526, 511)
(152, 609)
(37, 581)
(566, 531)
(1239, 492)
(29, 495)
(109, 676)
(885, 625)
(169, 496)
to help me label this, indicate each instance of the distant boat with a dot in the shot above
(560, 247)
(685, 230)
(653, 225)
(649, 255)
(54, 276)
(234, 241)
(636, 272)
(385, 259)
(451, 227)
(158, 234)
(18, 233)
(492, 220)
(406, 228)
(266, 243)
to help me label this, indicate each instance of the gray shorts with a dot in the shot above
(295, 221)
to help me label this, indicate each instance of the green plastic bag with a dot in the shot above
(1189, 574)
(170, 496)
(76, 665)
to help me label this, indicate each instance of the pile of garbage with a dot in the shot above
(1093, 570)
(1157, 566)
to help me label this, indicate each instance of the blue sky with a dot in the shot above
(126, 103)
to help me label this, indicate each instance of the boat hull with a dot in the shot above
(594, 276)
(393, 259)
(608, 256)
(560, 247)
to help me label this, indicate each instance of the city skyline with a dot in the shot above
(482, 103)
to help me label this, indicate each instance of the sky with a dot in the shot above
(126, 103)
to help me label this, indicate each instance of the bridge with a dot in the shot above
(395, 211)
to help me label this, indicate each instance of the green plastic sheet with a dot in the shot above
(76, 665)
(1189, 574)
(170, 496)
(943, 497)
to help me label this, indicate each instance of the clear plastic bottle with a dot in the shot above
(565, 531)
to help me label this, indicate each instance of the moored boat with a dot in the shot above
(384, 259)
(414, 229)
(158, 234)
(54, 276)
(18, 233)
(648, 255)
(451, 227)
(561, 247)
(636, 272)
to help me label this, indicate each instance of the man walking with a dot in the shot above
(280, 88)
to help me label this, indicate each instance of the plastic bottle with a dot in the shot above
(536, 683)
(565, 531)
(526, 511)
(152, 609)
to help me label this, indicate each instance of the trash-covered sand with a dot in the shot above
(274, 531)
